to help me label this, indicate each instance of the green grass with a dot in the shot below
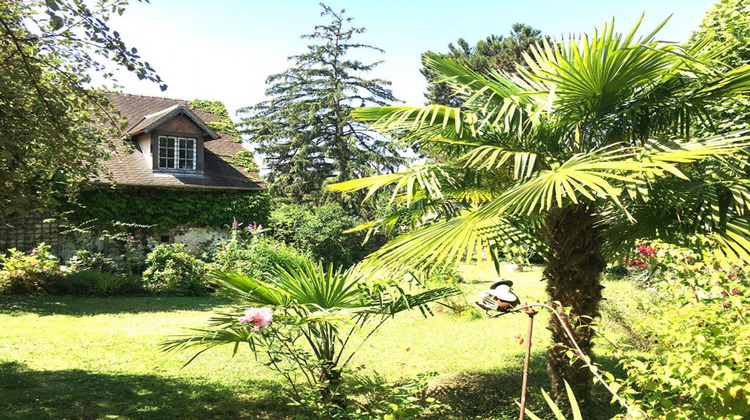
(65, 357)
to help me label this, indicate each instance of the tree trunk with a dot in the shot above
(573, 273)
(330, 393)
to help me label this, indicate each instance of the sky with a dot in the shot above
(225, 49)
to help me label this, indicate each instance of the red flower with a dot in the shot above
(735, 292)
(732, 276)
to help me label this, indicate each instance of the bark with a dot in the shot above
(573, 273)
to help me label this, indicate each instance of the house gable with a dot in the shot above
(184, 135)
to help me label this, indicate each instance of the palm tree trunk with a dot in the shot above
(573, 273)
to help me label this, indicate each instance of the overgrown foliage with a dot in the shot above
(321, 232)
(35, 272)
(304, 130)
(162, 210)
(217, 108)
(54, 130)
(697, 329)
(94, 282)
(174, 270)
(256, 257)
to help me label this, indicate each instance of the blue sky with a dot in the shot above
(225, 49)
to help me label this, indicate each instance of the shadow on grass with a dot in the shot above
(82, 306)
(493, 395)
(77, 394)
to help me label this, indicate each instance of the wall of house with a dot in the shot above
(144, 142)
(181, 124)
(196, 239)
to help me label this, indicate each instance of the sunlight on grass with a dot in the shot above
(66, 357)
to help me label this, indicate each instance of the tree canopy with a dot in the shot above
(603, 139)
(494, 53)
(304, 130)
(53, 128)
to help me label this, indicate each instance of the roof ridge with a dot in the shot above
(148, 96)
(163, 111)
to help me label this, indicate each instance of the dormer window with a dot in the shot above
(178, 153)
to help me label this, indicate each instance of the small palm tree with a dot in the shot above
(316, 313)
(592, 146)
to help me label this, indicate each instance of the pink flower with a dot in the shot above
(179, 277)
(277, 246)
(735, 266)
(732, 276)
(259, 317)
(735, 292)
(235, 224)
(255, 229)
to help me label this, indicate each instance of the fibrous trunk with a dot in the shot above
(573, 273)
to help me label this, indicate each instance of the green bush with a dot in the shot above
(92, 282)
(319, 231)
(172, 269)
(698, 330)
(256, 257)
(35, 272)
(85, 260)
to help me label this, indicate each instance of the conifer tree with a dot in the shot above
(495, 53)
(304, 129)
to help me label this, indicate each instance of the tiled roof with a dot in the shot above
(128, 167)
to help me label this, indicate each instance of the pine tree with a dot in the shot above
(496, 52)
(304, 129)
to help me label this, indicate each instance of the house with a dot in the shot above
(170, 144)
(176, 170)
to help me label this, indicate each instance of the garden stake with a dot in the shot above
(530, 312)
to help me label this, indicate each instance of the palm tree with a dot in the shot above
(316, 313)
(595, 143)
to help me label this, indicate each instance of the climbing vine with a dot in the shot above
(162, 210)
(217, 108)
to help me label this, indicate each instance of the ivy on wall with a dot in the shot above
(217, 108)
(166, 209)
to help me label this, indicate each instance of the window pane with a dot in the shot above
(171, 142)
(163, 163)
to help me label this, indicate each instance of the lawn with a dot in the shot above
(65, 357)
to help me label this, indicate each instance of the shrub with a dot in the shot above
(34, 272)
(92, 282)
(85, 260)
(699, 335)
(256, 257)
(172, 269)
(319, 231)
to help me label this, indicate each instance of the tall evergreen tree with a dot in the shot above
(304, 129)
(496, 52)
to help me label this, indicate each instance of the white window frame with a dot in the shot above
(176, 159)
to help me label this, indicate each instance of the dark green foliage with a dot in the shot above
(225, 124)
(319, 231)
(304, 129)
(164, 209)
(257, 258)
(85, 260)
(495, 53)
(172, 269)
(52, 128)
(92, 282)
